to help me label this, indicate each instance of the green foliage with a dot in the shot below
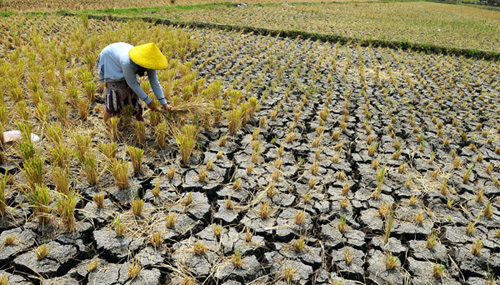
(89, 164)
(39, 197)
(3, 202)
(25, 147)
(66, 207)
(119, 170)
(33, 170)
(186, 141)
(136, 157)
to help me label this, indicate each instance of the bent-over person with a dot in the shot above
(118, 65)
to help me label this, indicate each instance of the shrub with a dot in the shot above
(61, 179)
(476, 247)
(61, 156)
(300, 216)
(119, 227)
(66, 208)
(119, 170)
(391, 262)
(264, 210)
(83, 109)
(468, 174)
(33, 170)
(136, 157)
(171, 173)
(249, 169)
(186, 141)
(234, 120)
(217, 230)
(388, 226)
(438, 271)
(160, 134)
(347, 256)
(156, 239)
(113, 128)
(25, 146)
(344, 203)
(312, 182)
(109, 149)
(479, 195)
(219, 154)
(248, 235)
(419, 218)
(270, 192)
(39, 197)
(89, 165)
(170, 220)
(202, 175)
(81, 144)
(315, 168)
(188, 199)
(156, 190)
(42, 112)
(99, 200)
(140, 132)
(288, 273)
(199, 248)
(42, 251)
(431, 241)
(299, 245)
(137, 207)
(210, 165)
(3, 203)
(345, 189)
(488, 211)
(470, 228)
(134, 270)
(222, 141)
(342, 224)
(236, 259)
(92, 265)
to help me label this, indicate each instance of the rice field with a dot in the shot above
(285, 160)
(56, 5)
(425, 23)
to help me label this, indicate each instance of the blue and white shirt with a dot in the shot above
(114, 64)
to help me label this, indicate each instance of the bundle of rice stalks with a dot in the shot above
(195, 107)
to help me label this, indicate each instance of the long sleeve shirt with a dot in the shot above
(114, 64)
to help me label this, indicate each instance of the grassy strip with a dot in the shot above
(122, 11)
(426, 48)
(145, 9)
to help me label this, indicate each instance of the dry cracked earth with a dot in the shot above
(356, 175)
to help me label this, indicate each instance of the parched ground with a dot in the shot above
(361, 165)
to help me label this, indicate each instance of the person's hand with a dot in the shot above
(167, 107)
(152, 106)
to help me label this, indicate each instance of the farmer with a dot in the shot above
(118, 65)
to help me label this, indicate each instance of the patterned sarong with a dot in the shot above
(118, 96)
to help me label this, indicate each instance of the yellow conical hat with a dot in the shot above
(148, 56)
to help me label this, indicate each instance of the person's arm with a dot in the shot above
(155, 85)
(131, 78)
